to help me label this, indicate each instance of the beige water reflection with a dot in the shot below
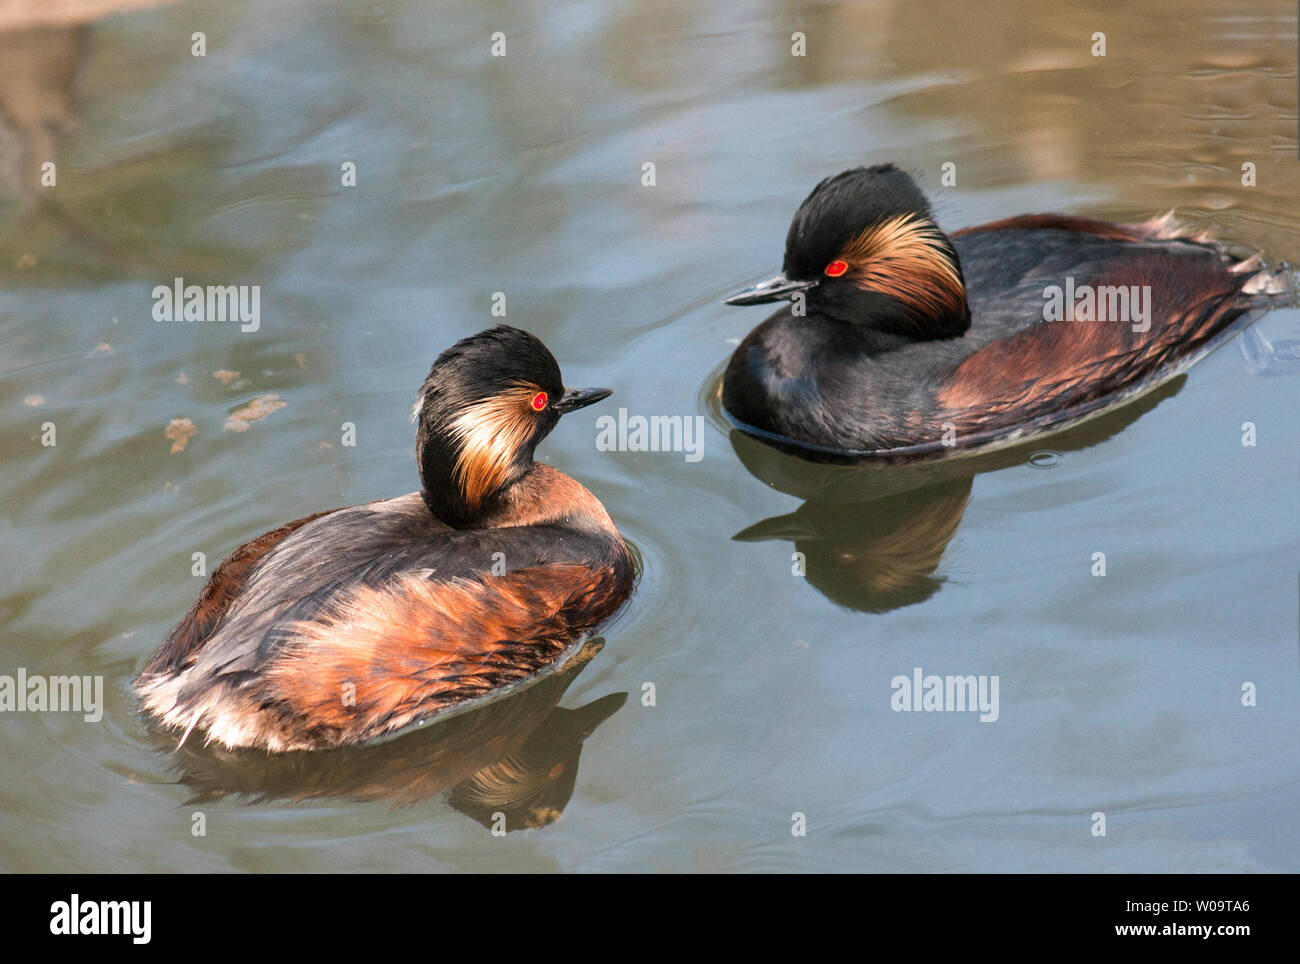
(511, 764)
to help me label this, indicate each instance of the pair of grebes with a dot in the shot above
(350, 624)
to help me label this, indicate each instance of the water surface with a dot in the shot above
(523, 175)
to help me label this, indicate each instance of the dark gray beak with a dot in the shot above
(779, 288)
(576, 398)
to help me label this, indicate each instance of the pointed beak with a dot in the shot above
(779, 288)
(576, 398)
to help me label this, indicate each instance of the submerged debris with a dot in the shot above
(254, 411)
(180, 431)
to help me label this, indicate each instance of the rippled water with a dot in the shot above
(523, 174)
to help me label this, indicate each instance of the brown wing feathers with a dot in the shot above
(414, 646)
(219, 592)
(1053, 365)
(379, 658)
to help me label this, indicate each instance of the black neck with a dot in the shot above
(442, 491)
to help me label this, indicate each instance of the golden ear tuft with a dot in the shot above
(490, 434)
(908, 257)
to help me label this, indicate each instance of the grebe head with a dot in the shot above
(488, 401)
(863, 249)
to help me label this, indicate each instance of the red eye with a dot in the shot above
(538, 402)
(836, 268)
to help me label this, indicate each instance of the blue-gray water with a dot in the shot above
(523, 174)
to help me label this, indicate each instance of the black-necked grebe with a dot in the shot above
(348, 624)
(903, 340)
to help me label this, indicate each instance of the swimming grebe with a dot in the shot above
(903, 340)
(348, 624)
